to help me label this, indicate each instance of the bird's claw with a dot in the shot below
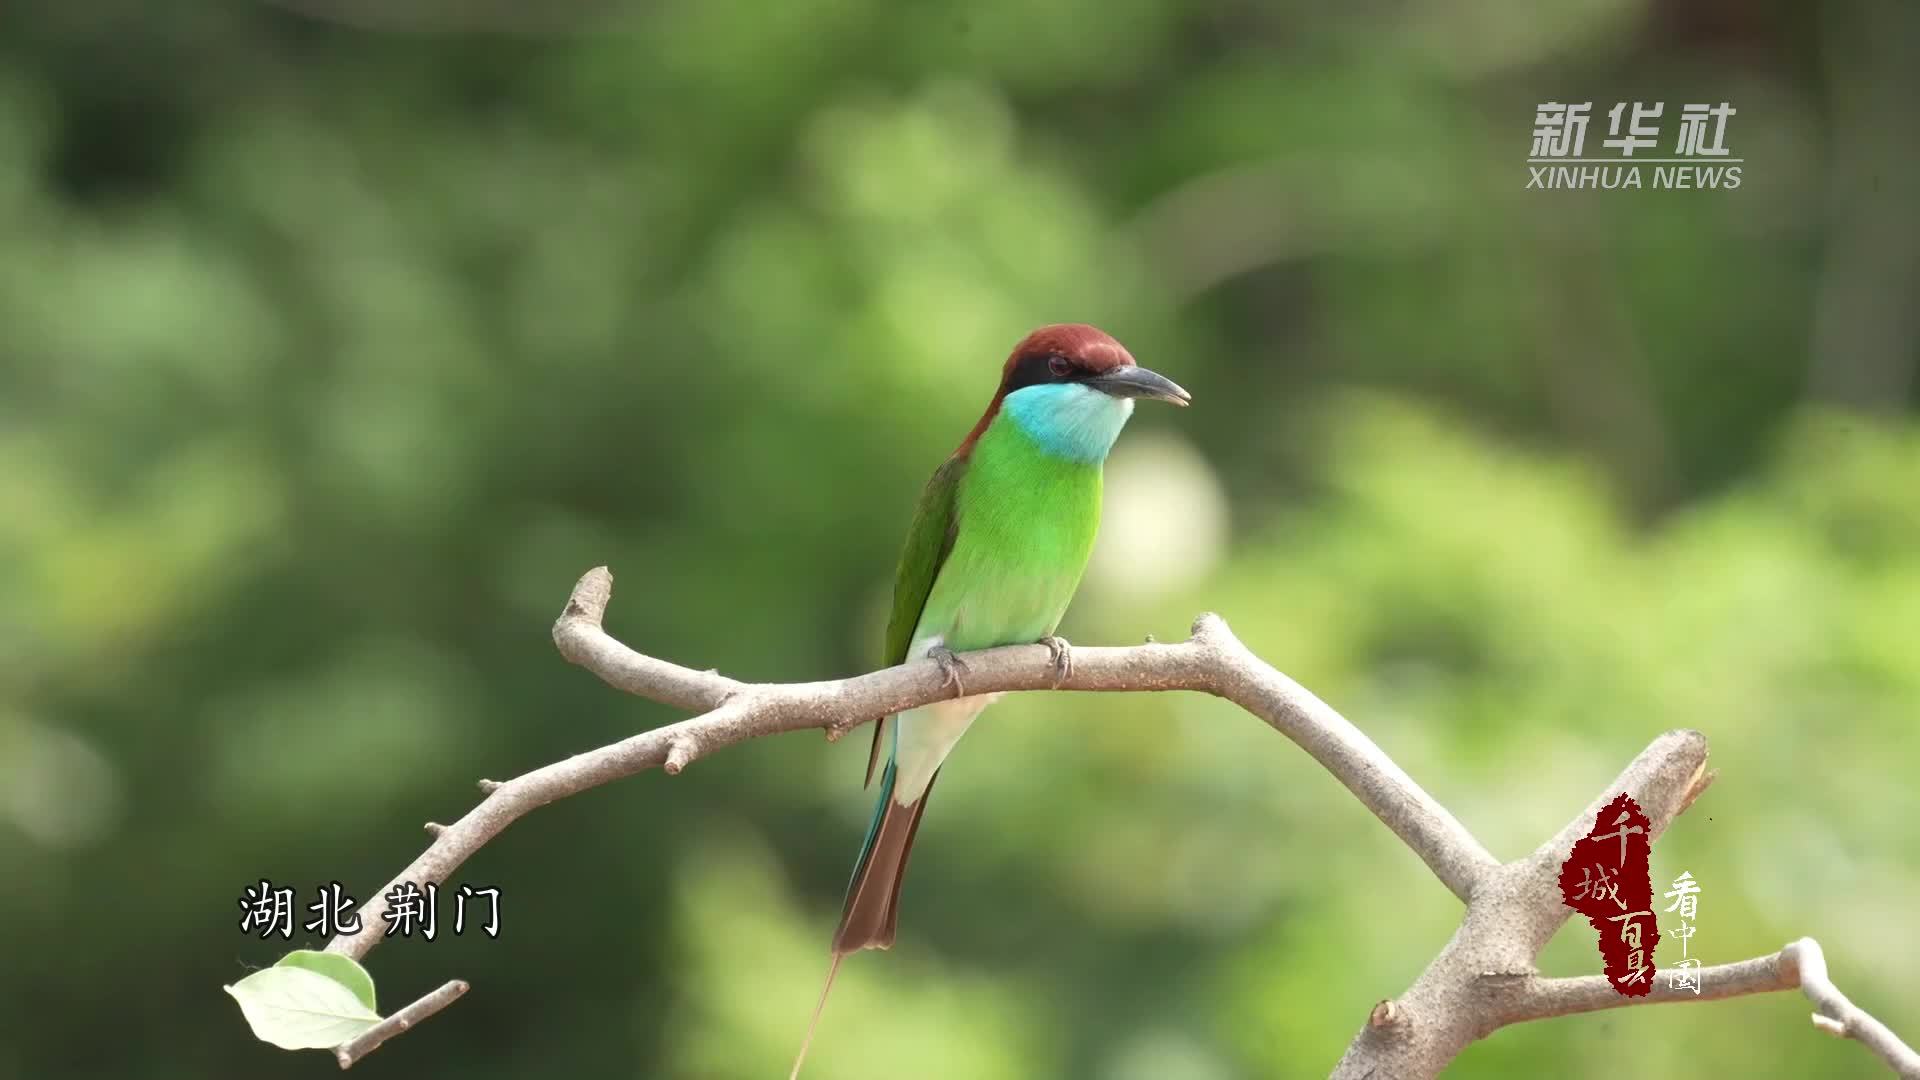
(1062, 657)
(952, 667)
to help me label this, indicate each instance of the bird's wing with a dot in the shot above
(928, 542)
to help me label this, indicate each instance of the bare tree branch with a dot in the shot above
(1836, 1015)
(1800, 965)
(1509, 919)
(1482, 980)
(1485, 979)
(1530, 997)
(369, 1040)
(1212, 660)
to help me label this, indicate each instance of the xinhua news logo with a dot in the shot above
(1635, 153)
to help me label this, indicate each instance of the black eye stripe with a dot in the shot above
(1036, 368)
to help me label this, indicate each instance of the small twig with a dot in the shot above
(1800, 965)
(1531, 997)
(679, 754)
(1838, 1016)
(369, 1040)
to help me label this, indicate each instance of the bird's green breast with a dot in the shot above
(1026, 523)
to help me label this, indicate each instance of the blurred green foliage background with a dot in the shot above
(341, 337)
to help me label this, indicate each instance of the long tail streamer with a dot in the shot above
(815, 1022)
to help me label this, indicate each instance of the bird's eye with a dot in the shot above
(1059, 366)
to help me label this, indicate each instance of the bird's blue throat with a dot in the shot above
(1068, 420)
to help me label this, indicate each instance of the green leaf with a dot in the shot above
(297, 1009)
(344, 970)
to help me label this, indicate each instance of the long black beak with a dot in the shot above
(1133, 381)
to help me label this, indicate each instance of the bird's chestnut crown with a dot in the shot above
(1078, 353)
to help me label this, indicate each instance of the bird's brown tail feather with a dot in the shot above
(873, 899)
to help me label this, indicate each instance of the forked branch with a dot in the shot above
(1482, 980)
